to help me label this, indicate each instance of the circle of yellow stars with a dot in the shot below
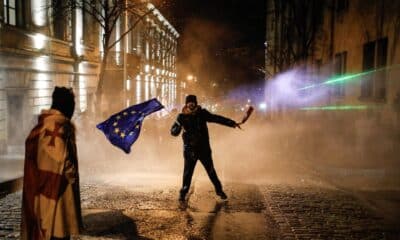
(117, 131)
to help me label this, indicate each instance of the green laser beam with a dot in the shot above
(345, 78)
(336, 107)
(339, 79)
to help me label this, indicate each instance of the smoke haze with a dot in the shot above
(355, 148)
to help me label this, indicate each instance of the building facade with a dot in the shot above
(349, 37)
(362, 37)
(36, 54)
(150, 51)
(352, 67)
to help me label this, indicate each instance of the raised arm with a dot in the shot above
(219, 119)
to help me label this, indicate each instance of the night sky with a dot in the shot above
(221, 41)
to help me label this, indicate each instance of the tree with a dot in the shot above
(384, 11)
(106, 14)
(297, 24)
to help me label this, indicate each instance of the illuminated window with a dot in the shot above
(38, 11)
(78, 31)
(138, 89)
(146, 87)
(147, 50)
(118, 55)
(152, 87)
(10, 11)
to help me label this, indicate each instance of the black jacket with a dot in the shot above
(195, 132)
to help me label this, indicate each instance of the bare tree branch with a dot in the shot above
(131, 28)
(299, 23)
(94, 13)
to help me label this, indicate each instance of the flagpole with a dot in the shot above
(125, 54)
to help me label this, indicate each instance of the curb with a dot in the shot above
(10, 186)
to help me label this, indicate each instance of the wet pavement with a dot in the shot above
(322, 213)
(156, 214)
(306, 209)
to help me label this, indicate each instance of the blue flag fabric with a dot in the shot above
(122, 129)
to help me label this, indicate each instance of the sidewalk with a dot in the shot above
(11, 173)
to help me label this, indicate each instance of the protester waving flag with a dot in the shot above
(123, 128)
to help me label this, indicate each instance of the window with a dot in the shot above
(318, 68)
(10, 11)
(88, 22)
(62, 21)
(38, 12)
(374, 57)
(59, 23)
(340, 69)
(380, 78)
(317, 71)
(368, 64)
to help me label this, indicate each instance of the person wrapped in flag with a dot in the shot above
(50, 201)
(196, 145)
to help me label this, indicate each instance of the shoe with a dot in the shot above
(222, 195)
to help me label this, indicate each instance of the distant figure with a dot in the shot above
(51, 202)
(193, 120)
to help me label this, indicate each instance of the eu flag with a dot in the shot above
(123, 128)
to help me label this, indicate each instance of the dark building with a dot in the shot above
(338, 37)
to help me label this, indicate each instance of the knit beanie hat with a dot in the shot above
(191, 98)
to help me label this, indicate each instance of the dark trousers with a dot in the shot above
(205, 158)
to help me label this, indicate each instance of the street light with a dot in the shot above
(190, 77)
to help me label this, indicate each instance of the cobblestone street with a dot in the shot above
(269, 211)
(10, 216)
(320, 213)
